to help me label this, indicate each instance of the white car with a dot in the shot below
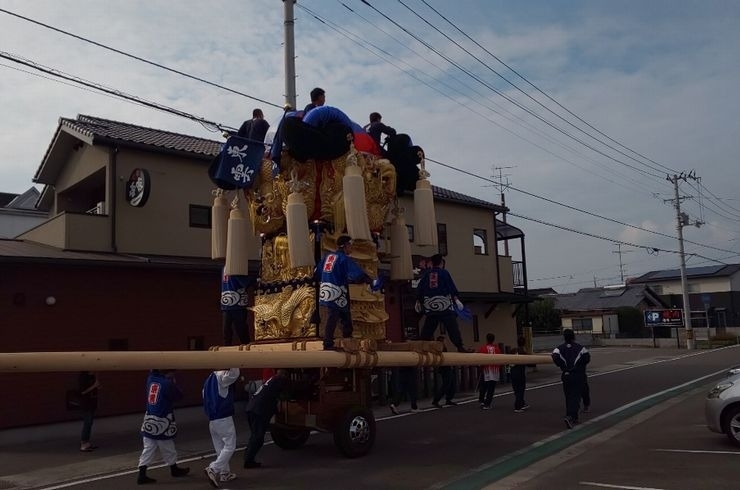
(722, 406)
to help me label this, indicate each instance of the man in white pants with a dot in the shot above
(218, 402)
(159, 427)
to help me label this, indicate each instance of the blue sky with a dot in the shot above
(660, 78)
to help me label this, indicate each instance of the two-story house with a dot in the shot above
(714, 293)
(110, 272)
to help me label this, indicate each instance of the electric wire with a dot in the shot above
(364, 43)
(573, 208)
(543, 92)
(138, 58)
(520, 106)
(114, 92)
(522, 91)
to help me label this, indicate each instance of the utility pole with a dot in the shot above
(621, 266)
(502, 188)
(288, 23)
(682, 219)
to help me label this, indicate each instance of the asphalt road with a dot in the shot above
(670, 449)
(458, 447)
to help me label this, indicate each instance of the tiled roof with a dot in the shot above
(105, 129)
(6, 197)
(692, 272)
(448, 195)
(591, 299)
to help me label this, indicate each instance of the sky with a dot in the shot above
(656, 82)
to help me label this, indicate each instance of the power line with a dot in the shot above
(138, 58)
(116, 93)
(573, 208)
(541, 91)
(495, 90)
(522, 91)
(364, 43)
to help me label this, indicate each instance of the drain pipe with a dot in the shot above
(113, 199)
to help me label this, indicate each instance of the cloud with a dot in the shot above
(653, 77)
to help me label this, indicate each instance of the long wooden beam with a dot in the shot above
(35, 362)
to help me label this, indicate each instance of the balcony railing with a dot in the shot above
(518, 272)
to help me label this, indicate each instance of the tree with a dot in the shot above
(631, 322)
(543, 316)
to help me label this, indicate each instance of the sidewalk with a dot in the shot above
(35, 457)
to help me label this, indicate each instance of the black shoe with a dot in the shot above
(252, 464)
(450, 403)
(436, 405)
(177, 472)
(143, 480)
(569, 422)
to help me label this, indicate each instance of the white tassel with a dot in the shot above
(425, 219)
(299, 240)
(237, 244)
(401, 265)
(219, 220)
(355, 207)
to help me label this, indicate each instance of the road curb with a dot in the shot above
(507, 465)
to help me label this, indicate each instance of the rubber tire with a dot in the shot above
(354, 435)
(289, 439)
(732, 413)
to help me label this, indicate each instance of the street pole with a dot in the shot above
(684, 283)
(288, 23)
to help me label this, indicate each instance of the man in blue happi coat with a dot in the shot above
(336, 271)
(436, 297)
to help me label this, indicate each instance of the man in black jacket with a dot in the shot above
(260, 409)
(571, 358)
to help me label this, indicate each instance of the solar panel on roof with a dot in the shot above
(692, 271)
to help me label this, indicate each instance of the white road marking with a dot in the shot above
(607, 485)
(474, 399)
(696, 451)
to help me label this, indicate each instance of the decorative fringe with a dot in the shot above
(401, 265)
(219, 219)
(299, 240)
(237, 253)
(355, 208)
(339, 218)
(425, 219)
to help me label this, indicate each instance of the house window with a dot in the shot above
(442, 238)
(196, 343)
(410, 230)
(480, 242)
(580, 324)
(117, 344)
(200, 216)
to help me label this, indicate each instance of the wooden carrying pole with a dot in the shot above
(37, 362)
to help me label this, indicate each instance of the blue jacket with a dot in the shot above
(571, 358)
(336, 271)
(161, 395)
(234, 292)
(218, 393)
(436, 291)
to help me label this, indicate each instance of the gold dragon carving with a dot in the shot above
(287, 300)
